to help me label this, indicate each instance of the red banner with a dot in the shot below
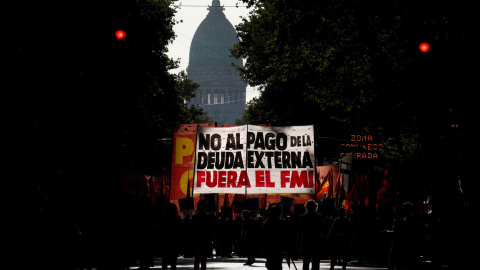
(183, 161)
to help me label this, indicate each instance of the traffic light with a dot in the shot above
(424, 47)
(120, 34)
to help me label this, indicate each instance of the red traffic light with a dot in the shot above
(120, 34)
(424, 47)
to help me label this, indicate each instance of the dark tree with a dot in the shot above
(82, 98)
(354, 67)
(81, 104)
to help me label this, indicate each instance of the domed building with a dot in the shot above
(222, 91)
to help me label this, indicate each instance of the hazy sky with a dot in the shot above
(192, 13)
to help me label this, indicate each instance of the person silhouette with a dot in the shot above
(275, 230)
(340, 238)
(311, 230)
(170, 229)
(249, 236)
(202, 229)
(406, 234)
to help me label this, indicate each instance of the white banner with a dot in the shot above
(255, 159)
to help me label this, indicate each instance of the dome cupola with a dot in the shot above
(214, 37)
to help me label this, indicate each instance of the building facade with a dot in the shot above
(222, 93)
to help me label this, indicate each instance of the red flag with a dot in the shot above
(347, 205)
(331, 180)
(336, 187)
(382, 190)
(147, 182)
(166, 186)
(351, 196)
(323, 181)
(324, 187)
(339, 189)
(360, 191)
(319, 179)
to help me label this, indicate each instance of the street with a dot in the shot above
(237, 263)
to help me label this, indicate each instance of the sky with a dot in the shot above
(192, 13)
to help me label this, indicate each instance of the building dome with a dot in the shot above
(214, 37)
(221, 90)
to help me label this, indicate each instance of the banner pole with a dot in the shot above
(194, 166)
(246, 163)
(266, 207)
(314, 167)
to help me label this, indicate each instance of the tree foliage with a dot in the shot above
(350, 67)
(186, 89)
(84, 102)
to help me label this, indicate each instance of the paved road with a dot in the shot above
(237, 263)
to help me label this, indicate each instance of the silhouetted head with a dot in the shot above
(202, 206)
(341, 212)
(407, 209)
(275, 212)
(311, 206)
(171, 210)
(245, 214)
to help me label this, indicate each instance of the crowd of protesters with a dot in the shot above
(126, 233)
(308, 236)
(403, 240)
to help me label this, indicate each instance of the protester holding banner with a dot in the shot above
(202, 235)
(311, 230)
(275, 238)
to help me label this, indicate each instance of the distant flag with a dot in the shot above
(166, 186)
(343, 200)
(331, 179)
(323, 181)
(352, 194)
(325, 186)
(226, 201)
(339, 189)
(336, 187)
(360, 191)
(147, 182)
(318, 181)
(382, 190)
(347, 205)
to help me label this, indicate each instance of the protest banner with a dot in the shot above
(254, 160)
(220, 165)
